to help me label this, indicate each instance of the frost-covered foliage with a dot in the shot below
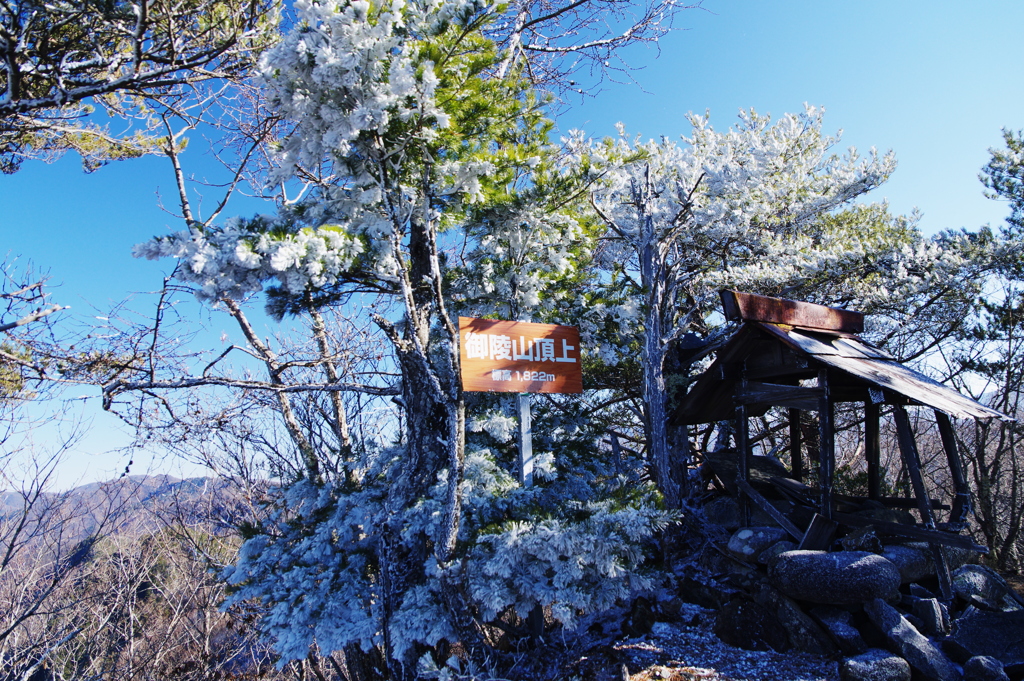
(236, 260)
(764, 206)
(315, 567)
(358, 80)
(574, 566)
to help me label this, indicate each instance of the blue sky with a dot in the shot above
(933, 81)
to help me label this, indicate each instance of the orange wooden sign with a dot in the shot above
(519, 357)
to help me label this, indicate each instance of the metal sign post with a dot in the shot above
(525, 440)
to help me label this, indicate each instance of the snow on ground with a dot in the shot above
(688, 649)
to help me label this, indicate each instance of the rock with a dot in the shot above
(993, 634)
(862, 539)
(750, 626)
(983, 668)
(747, 543)
(699, 587)
(837, 578)
(804, 633)
(839, 625)
(725, 512)
(919, 591)
(874, 665)
(773, 551)
(986, 585)
(914, 561)
(909, 643)
(932, 615)
(641, 618)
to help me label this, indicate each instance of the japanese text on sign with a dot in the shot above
(519, 356)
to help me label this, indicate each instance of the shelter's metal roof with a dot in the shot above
(858, 368)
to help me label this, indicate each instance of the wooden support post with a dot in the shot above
(962, 500)
(743, 457)
(826, 444)
(796, 456)
(872, 449)
(912, 460)
(819, 535)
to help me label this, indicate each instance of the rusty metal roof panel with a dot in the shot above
(913, 385)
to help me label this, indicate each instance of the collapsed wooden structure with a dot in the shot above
(807, 357)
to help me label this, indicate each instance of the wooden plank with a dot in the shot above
(962, 498)
(819, 534)
(810, 344)
(775, 514)
(826, 444)
(872, 448)
(910, 532)
(912, 460)
(525, 440)
(743, 457)
(777, 395)
(751, 307)
(796, 456)
(855, 347)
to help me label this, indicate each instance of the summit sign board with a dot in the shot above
(519, 357)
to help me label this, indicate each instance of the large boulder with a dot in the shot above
(986, 585)
(914, 561)
(836, 578)
(747, 543)
(906, 641)
(874, 665)
(993, 634)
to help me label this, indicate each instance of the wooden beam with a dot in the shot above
(912, 460)
(962, 500)
(796, 457)
(910, 531)
(872, 448)
(776, 395)
(774, 513)
(750, 307)
(743, 457)
(826, 445)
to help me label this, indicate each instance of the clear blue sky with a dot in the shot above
(933, 81)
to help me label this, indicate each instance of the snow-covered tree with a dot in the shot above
(411, 130)
(766, 207)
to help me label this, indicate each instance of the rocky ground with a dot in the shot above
(689, 649)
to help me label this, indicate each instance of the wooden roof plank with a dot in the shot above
(754, 308)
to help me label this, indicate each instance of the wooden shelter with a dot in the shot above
(807, 357)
